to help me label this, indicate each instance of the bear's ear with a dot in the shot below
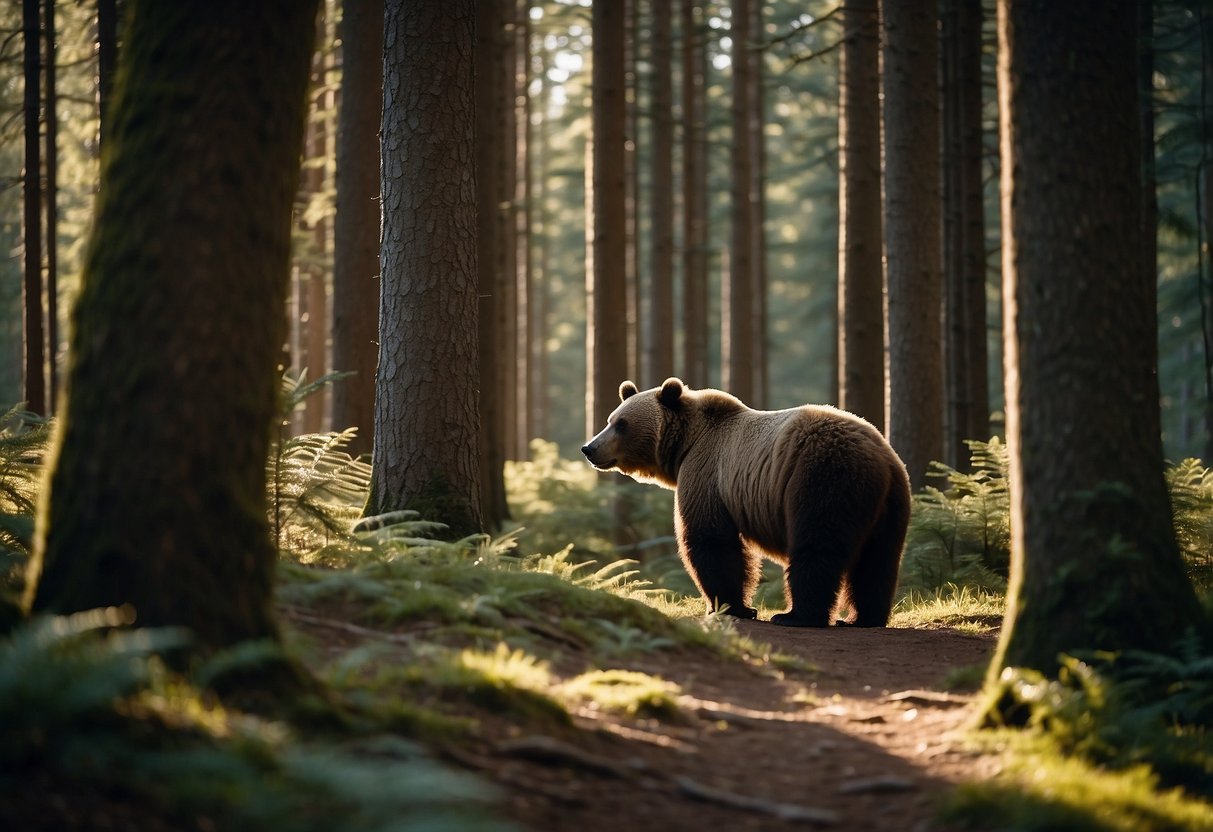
(671, 392)
(627, 390)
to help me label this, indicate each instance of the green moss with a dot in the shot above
(1041, 789)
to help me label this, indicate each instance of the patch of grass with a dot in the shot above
(962, 608)
(1042, 789)
(97, 719)
(625, 691)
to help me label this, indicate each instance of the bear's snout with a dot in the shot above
(587, 449)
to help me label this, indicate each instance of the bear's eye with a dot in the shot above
(621, 425)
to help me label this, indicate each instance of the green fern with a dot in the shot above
(1191, 487)
(316, 489)
(1122, 710)
(91, 711)
(962, 535)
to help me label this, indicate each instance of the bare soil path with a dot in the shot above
(867, 741)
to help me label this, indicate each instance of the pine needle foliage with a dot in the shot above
(24, 438)
(93, 716)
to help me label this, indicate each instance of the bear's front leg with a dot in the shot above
(711, 550)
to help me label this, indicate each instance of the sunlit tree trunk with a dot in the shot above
(1094, 559)
(860, 234)
(912, 228)
(107, 58)
(356, 220)
(427, 424)
(606, 315)
(156, 489)
(694, 198)
(737, 332)
(659, 338)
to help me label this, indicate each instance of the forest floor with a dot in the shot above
(857, 729)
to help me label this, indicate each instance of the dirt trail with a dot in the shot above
(866, 742)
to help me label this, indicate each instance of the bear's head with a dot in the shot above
(640, 438)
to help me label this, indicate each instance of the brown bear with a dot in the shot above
(814, 488)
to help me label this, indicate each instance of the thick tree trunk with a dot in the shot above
(967, 412)
(912, 225)
(154, 499)
(860, 233)
(606, 330)
(426, 416)
(356, 221)
(1094, 558)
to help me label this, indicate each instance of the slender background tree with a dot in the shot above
(861, 360)
(912, 228)
(606, 316)
(356, 222)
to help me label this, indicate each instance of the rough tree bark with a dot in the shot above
(427, 424)
(1089, 512)
(156, 494)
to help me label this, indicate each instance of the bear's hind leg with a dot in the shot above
(872, 581)
(725, 571)
(813, 580)
(822, 546)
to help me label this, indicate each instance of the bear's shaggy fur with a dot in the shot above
(813, 487)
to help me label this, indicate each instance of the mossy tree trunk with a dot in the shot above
(1094, 558)
(427, 419)
(156, 494)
